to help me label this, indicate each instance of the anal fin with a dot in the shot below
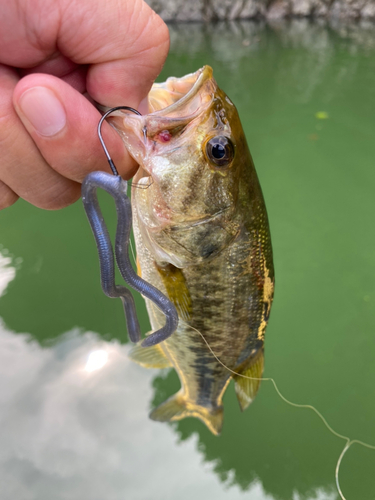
(247, 388)
(177, 408)
(149, 357)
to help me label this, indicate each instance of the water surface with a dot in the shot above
(70, 429)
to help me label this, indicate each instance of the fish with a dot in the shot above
(202, 238)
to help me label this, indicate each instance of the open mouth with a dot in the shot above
(170, 97)
(173, 105)
(181, 96)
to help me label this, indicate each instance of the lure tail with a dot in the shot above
(177, 408)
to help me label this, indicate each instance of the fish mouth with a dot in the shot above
(179, 95)
(173, 105)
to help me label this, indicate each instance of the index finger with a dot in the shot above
(124, 42)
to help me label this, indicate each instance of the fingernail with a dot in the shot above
(43, 110)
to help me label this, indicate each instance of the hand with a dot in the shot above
(51, 52)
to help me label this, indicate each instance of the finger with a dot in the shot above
(7, 196)
(64, 68)
(63, 125)
(23, 168)
(125, 43)
(125, 68)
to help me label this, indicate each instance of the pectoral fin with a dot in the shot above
(177, 408)
(247, 388)
(177, 291)
(149, 357)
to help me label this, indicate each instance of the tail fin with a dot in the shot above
(177, 408)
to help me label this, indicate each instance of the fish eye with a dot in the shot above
(220, 150)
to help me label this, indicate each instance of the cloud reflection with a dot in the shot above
(67, 435)
(7, 271)
(70, 430)
(96, 360)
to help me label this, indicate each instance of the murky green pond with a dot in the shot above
(306, 96)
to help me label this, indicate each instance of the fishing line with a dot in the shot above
(139, 185)
(349, 441)
(132, 250)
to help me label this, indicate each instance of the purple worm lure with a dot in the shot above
(117, 188)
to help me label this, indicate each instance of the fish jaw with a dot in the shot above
(174, 104)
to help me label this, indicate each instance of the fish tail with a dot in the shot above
(178, 407)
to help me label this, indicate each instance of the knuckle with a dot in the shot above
(148, 32)
(159, 41)
(7, 196)
(8, 133)
(57, 198)
(163, 32)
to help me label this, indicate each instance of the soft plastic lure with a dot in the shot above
(117, 188)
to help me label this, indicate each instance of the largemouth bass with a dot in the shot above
(202, 238)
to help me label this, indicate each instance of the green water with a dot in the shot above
(68, 433)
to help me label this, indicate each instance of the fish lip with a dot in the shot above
(202, 75)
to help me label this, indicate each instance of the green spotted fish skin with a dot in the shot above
(202, 238)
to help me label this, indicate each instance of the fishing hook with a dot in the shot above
(117, 188)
